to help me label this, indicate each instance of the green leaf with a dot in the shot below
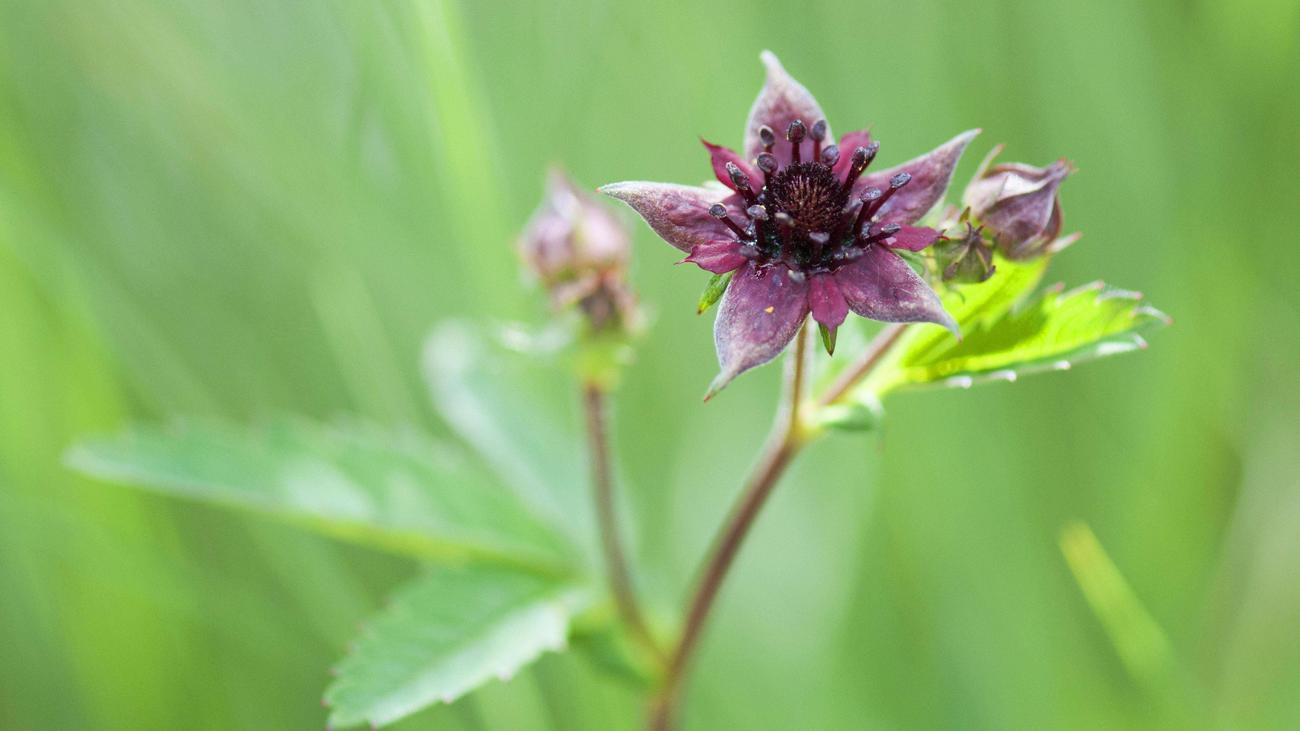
(397, 492)
(446, 634)
(1052, 332)
(521, 418)
(975, 305)
(599, 635)
(971, 305)
(713, 291)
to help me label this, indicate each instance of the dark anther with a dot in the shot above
(819, 239)
(795, 133)
(885, 232)
(830, 155)
(768, 163)
(848, 254)
(719, 211)
(868, 209)
(784, 220)
(817, 133)
(758, 213)
(741, 181)
(878, 202)
(862, 157)
(767, 137)
(738, 176)
(872, 149)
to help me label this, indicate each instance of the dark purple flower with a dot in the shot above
(802, 225)
(1018, 204)
(579, 251)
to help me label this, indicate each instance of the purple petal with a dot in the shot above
(848, 143)
(781, 101)
(720, 156)
(718, 257)
(879, 285)
(759, 315)
(930, 173)
(826, 301)
(678, 213)
(912, 238)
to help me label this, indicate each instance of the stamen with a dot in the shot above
(885, 232)
(862, 157)
(795, 135)
(817, 133)
(741, 181)
(784, 220)
(895, 184)
(848, 253)
(767, 137)
(865, 211)
(719, 211)
(768, 163)
(830, 155)
(759, 215)
(819, 239)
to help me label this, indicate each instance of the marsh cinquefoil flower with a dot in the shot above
(802, 224)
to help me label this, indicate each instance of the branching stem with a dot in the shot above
(787, 438)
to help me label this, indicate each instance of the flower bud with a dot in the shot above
(578, 250)
(966, 259)
(1017, 204)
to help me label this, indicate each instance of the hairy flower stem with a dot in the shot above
(784, 443)
(602, 481)
(787, 438)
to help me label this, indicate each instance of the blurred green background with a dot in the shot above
(246, 208)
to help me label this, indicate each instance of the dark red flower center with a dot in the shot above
(810, 194)
(804, 214)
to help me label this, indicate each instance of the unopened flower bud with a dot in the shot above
(578, 250)
(1017, 205)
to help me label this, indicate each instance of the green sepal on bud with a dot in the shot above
(600, 358)
(713, 291)
(967, 259)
